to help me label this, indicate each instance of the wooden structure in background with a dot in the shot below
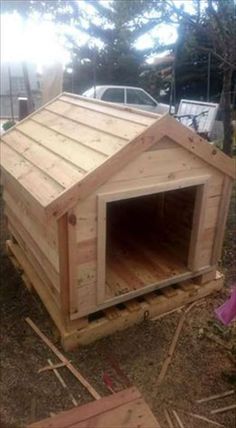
(107, 204)
(125, 409)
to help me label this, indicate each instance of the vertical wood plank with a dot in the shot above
(64, 265)
(197, 227)
(101, 250)
(72, 261)
(222, 218)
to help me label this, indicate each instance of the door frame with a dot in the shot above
(198, 225)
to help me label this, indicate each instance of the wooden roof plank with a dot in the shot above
(13, 162)
(109, 111)
(53, 166)
(69, 150)
(103, 172)
(70, 153)
(114, 106)
(118, 127)
(29, 201)
(42, 188)
(94, 139)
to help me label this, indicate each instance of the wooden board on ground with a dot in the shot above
(125, 409)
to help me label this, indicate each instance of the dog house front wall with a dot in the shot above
(165, 166)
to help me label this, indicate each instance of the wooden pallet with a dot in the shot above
(124, 409)
(118, 317)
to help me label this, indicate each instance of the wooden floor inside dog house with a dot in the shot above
(148, 239)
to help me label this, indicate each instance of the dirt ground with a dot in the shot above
(199, 368)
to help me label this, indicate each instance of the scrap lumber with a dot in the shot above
(168, 419)
(223, 409)
(51, 367)
(204, 418)
(124, 409)
(61, 357)
(216, 396)
(178, 420)
(171, 351)
(173, 344)
(158, 317)
(62, 382)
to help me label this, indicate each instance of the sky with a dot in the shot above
(43, 43)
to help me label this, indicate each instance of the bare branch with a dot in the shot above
(204, 49)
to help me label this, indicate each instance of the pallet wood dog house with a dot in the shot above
(107, 203)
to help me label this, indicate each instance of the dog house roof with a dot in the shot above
(63, 151)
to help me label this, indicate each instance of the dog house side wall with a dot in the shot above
(166, 162)
(37, 239)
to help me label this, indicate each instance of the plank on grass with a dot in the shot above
(62, 382)
(178, 420)
(223, 409)
(216, 396)
(61, 357)
(87, 411)
(203, 418)
(173, 344)
(168, 419)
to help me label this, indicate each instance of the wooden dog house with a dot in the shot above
(108, 203)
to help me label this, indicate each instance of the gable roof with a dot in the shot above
(70, 146)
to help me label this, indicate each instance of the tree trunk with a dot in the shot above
(28, 88)
(227, 115)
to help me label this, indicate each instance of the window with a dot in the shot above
(114, 95)
(136, 96)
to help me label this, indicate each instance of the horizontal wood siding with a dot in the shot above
(44, 235)
(39, 241)
(23, 243)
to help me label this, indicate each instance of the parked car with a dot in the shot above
(128, 95)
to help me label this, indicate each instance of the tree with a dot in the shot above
(117, 27)
(214, 30)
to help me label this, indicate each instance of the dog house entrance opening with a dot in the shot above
(147, 239)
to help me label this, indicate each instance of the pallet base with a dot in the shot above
(118, 317)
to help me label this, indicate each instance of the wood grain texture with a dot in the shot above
(42, 187)
(72, 261)
(39, 285)
(221, 219)
(108, 110)
(125, 409)
(101, 143)
(44, 236)
(63, 250)
(113, 126)
(110, 166)
(156, 307)
(43, 157)
(31, 247)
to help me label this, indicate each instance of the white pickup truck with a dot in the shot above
(128, 95)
